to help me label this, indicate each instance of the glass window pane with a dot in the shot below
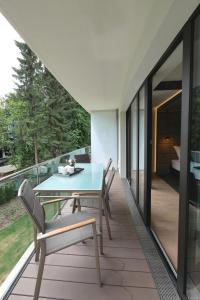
(141, 146)
(134, 146)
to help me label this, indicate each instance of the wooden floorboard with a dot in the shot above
(70, 274)
(121, 264)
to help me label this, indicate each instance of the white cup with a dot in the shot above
(70, 169)
(60, 169)
(64, 171)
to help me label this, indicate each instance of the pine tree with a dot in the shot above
(4, 134)
(18, 140)
(68, 122)
(79, 135)
(44, 119)
(58, 106)
(28, 80)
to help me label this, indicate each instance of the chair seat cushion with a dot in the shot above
(67, 239)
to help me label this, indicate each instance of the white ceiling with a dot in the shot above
(100, 51)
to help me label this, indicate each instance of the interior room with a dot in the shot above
(166, 149)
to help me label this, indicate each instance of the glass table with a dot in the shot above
(90, 180)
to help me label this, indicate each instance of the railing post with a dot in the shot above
(37, 172)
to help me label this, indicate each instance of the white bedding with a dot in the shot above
(176, 164)
(194, 167)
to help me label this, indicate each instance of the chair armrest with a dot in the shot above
(54, 200)
(65, 229)
(85, 195)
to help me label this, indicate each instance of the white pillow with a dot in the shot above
(178, 150)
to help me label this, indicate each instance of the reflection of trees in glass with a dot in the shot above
(195, 120)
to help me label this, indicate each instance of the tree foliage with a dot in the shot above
(40, 119)
(64, 118)
(195, 120)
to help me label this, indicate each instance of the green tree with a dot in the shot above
(17, 139)
(28, 80)
(40, 120)
(68, 123)
(195, 120)
(58, 110)
(3, 125)
(79, 135)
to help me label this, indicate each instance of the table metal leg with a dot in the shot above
(107, 219)
(100, 224)
(59, 208)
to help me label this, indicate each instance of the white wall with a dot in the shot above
(104, 136)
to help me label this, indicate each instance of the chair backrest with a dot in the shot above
(109, 183)
(82, 158)
(32, 205)
(107, 167)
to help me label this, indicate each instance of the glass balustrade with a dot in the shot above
(16, 230)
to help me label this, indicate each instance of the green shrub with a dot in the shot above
(7, 192)
(2, 195)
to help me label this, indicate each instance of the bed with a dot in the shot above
(175, 163)
(194, 163)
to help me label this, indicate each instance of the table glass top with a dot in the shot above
(90, 179)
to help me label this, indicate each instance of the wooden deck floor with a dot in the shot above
(71, 274)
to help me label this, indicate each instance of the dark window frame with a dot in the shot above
(186, 36)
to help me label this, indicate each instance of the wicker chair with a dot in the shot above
(89, 201)
(58, 234)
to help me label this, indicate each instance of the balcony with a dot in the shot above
(128, 271)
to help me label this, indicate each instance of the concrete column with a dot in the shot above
(104, 136)
(122, 143)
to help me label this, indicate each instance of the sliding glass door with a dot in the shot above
(193, 257)
(166, 152)
(136, 145)
(141, 147)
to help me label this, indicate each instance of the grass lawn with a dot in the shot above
(14, 240)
